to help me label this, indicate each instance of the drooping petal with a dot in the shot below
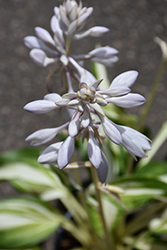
(110, 130)
(97, 108)
(125, 79)
(44, 135)
(40, 106)
(74, 125)
(93, 151)
(102, 170)
(127, 101)
(49, 155)
(44, 35)
(65, 152)
(85, 118)
(40, 58)
(134, 142)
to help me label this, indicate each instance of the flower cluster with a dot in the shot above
(85, 104)
(66, 24)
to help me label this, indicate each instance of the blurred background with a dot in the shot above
(133, 26)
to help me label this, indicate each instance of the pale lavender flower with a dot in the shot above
(66, 24)
(43, 136)
(134, 142)
(65, 152)
(72, 18)
(49, 155)
(86, 103)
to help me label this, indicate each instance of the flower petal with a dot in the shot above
(85, 118)
(93, 150)
(74, 125)
(123, 90)
(134, 142)
(108, 62)
(44, 35)
(49, 155)
(125, 79)
(110, 130)
(103, 52)
(127, 101)
(40, 106)
(97, 108)
(33, 42)
(53, 97)
(98, 31)
(85, 76)
(40, 58)
(102, 170)
(54, 23)
(83, 18)
(65, 152)
(44, 135)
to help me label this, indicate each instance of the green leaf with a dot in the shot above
(26, 222)
(157, 143)
(112, 218)
(20, 155)
(153, 169)
(33, 178)
(95, 220)
(159, 225)
(138, 190)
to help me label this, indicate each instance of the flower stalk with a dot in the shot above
(107, 234)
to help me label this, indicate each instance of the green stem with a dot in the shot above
(152, 94)
(82, 199)
(68, 41)
(98, 195)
